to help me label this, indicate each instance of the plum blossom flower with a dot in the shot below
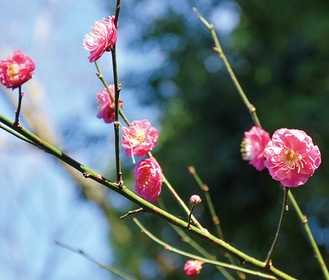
(291, 157)
(148, 175)
(192, 268)
(102, 38)
(253, 145)
(106, 105)
(139, 138)
(16, 70)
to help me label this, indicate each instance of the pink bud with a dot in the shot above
(148, 181)
(192, 268)
(195, 200)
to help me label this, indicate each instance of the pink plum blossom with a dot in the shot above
(291, 157)
(16, 70)
(192, 268)
(253, 145)
(106, 105)
(102, 38)
(148, 175)
(139, 138)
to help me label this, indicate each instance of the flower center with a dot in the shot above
(13, 71)
(140, 137)
(246, 148)
(293, 160)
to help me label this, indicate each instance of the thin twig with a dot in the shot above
(101, 77)
(19, 104)
(148, 207)
(252, 111)
(88, 257)
(200, 249)
(195, 257)
(309, 235)
(218, 49)
(116, 104)
(181, 202)
(284, 209)
(131, 212)
(213, 213)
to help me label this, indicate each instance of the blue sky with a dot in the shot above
(39, 202)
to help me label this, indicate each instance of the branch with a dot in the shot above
(148, 207)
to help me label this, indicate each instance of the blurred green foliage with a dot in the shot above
(279, 52)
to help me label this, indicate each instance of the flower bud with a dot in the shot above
(195, 200)
(192, 268)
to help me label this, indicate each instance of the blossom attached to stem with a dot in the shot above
(148, 179)
(253, 145)
(139, 138)
(291, 157)
(106, 104)
(192, 268)
(102, 38)
(16, 69)
(194, 201)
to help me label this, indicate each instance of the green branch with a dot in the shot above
(278, 231)
(304, 221)
(218, 49)
(148, 207)
(195, 257)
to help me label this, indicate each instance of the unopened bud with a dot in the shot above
(193, 267)
(195, 199)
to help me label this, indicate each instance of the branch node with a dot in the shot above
(86, 174)
(269, 264)
(305, 220)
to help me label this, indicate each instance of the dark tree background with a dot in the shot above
(279, 52)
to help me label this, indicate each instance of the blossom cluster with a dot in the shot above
(140, 137)
(290, 156)
(138, 140)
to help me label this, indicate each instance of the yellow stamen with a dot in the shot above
(13, 71)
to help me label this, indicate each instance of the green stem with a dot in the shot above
(252, 111)
(148, 207)
(195, 257)
(101, 77)
(213, 214)
(309, 235)
(180, 201)
(196, 246)
(205, 189)
(19, 104)
(14, 133)
(284, 209)
(251, 108)
(117, 11)
(116, 104)
(116, 117)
